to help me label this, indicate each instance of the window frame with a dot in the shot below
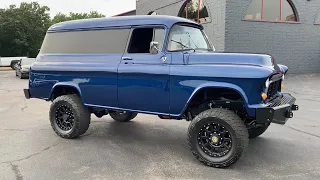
(293, 7)
(146, 26)
(189, 25)
(187, 2)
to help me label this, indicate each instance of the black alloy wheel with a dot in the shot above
(69, 117)
(217, 137)
(64, 118)
(215, 140)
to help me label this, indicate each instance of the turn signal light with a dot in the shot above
(282, 86)
(264, 96)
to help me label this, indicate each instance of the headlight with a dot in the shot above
(267, 83)
(282, 85)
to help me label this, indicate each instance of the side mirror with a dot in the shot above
(154, 47)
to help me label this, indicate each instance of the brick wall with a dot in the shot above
(295, 45)
(214, 29)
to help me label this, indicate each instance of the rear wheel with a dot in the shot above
(256, 132)
(122, 116)
(217, 137)
(69, 117)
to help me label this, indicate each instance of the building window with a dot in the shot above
(152, 13)
(195, 10)
(271, 10)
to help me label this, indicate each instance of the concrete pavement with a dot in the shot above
(147, 147)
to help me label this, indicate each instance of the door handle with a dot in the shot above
(126, 58)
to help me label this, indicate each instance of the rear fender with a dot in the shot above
(65, 84)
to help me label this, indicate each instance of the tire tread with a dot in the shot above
(234, 121)
(82, 121)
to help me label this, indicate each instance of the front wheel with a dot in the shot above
(217, 137)
(69, 117)
(122, 116)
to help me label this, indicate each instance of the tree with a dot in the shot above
(60, 17)
(22, 29)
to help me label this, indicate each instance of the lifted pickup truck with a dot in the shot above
(159, 65)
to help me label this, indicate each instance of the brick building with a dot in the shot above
(289, 30)
(128, 13)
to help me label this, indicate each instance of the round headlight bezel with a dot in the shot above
(267, 83)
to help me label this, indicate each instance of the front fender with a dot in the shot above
(65, 84)
(217, 85)
(283, 68)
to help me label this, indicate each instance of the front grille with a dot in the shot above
(273, 89)
(285, 99)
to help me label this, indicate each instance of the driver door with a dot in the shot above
(143, 78)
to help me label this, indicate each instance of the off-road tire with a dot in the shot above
(235, 126)
(255, 132)
(80, 112)
(126, 117)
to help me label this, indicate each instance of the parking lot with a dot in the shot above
(149, 148)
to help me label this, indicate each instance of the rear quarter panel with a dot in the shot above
(95, 76)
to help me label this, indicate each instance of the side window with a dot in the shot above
(86, 42)
(271, 10)
(195, 10)
(142, 37)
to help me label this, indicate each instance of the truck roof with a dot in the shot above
(96, 23)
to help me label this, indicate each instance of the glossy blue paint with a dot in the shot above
(93, 75)
(121, 21)
(187, 80)
(143, 82)
(283, 68)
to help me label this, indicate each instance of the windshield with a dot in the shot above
(187, 38)
(27, 61)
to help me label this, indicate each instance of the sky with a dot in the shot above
(106, 7)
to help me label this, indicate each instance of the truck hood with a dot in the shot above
(234, 59)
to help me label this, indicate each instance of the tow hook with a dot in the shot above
(294, 107)
(288, 114)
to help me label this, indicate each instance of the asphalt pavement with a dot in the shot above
(148, 147)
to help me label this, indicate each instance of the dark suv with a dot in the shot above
(159, 65)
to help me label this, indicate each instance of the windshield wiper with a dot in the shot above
(183, 45)
(192, 40)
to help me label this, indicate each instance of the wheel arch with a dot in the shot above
(64, 88)
(216, 85)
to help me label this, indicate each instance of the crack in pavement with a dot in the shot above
(14, 130)
(25, 105)
(32, 155)
(5, 90)
(16, 171)
(314, 135)
(23, 130)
